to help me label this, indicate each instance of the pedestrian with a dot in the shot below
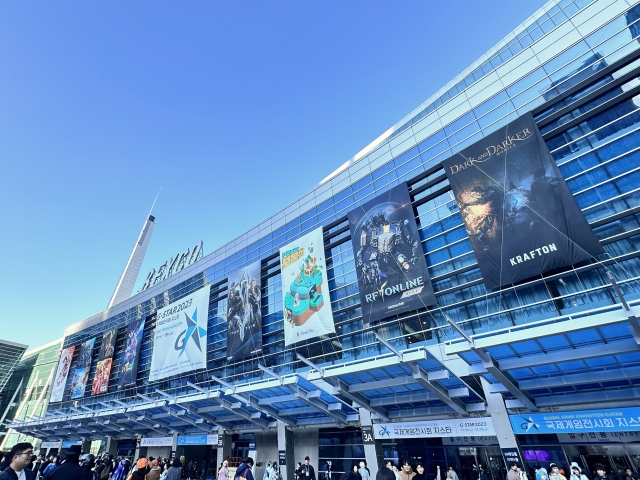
(452, 474)
(55, 463)
(275, 471)
(70, 469)
(17, 461)
(244, 470)
(407, 472)
(364, 473)
(154, 471)
(175, 471)
(541, 473)
(483, 473)
(223, 471)
(386, 472)
(512, 474)
(349, 475)
(267, 472)
(521, 473)
(629, 475)
(576, 472)
(601, 473)
(421, 473)
(308, 473)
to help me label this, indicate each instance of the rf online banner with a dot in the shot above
(390, 265)
(105, 361)
(129, 362)
(305, 291)
(181, 336)
(244, 318)
(62, 373)
(83, 366)
(517, 209)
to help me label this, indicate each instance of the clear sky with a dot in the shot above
(234, 109)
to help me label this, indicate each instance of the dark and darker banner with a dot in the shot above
(129, 362)
(392, 272)
(105, 361)
(244, 318)
(518, 211)
(81, 371)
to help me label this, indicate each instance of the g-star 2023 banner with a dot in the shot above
(181, 336)
(305, 293)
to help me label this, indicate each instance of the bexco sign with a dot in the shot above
(173, 266)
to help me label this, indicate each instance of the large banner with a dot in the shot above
(244, 319)
(518, 211)
(62, 373)
(604, 420)
(181, 336)
(105, 361)
(435, 428)
(307, 309)
(83, 366)
(392, 272)
(129, 362)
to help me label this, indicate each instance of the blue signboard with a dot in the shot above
(70, 443)
(192, 440)
(606, 420)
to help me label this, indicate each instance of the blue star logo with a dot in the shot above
(529, 424)
(193, 332)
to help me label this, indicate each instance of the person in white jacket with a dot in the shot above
(576, 472)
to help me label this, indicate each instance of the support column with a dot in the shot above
(507, 440)
(285, 451)
(174, 445)
(223, 451)
(86, 446)
(372, 449)
(111, 447)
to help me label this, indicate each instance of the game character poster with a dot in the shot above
(180, 343)
(82, 368)
(305, 293)
(244, 319)
(390, 265)
(105, 360)
(517, 209)
(62, 373)
(129, 364)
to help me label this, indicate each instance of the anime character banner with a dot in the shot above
(181, 336)
(517, 209)
(305, 292)
(62, 373)
(105, 361)
(81, 371)
(390, 265)
(244, 319)
(129, 363)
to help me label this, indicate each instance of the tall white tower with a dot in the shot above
(130, 273)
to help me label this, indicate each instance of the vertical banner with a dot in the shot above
(105, 360)
(306, 313)
(62, 372)
(83, 366)
(129, 362)
(244, 318)
(518, 211)
(181, 336)
(390, 265)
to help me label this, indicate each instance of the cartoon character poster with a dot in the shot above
(82, 368)
(105, 361)
(520, 215)
(62, 373)
(305, 292)
(244, 318)
(128, 369)
(390, 264)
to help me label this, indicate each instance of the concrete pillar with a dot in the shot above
(111, 447)
(285, 451)
(372, 449)
(506, 438)
(86, 446)
(223, 451)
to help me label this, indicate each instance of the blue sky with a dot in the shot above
(234, 109)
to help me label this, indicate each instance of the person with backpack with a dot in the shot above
(244, 470)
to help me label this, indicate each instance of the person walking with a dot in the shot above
(18, 459)
(223, 471)
(244, 470)
(364, 473)
(512, 474)
(308, 473)
(70, 468)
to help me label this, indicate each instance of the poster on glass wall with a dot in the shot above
(305, 292)
(244, 319)
(129, 364)
(105, 360)
(82, 368)
(390, 265)
(62, 373)
(520, 215)
(180, 343)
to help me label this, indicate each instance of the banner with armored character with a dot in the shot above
(105, 361)
(517, 209)
(62, 373)
(305, 293)
(128, 370)
(244, 318)
(390, 264)
(81, 371)
(181, 336)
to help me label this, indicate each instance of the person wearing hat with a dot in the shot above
(308, 473)
(555, 473)
(576, 472)
(70, 468)
(17, 461)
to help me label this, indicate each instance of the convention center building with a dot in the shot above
(462, 293)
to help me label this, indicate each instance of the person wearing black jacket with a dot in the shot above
(19, 458)
(307, 471)
(70, 468)
(244, 470)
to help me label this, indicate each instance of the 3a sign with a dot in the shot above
(367, 435)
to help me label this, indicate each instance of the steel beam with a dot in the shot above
(423, 379)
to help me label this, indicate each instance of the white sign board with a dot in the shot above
(50, 444)
(435, 428)
(181, 336)
(156, 442)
